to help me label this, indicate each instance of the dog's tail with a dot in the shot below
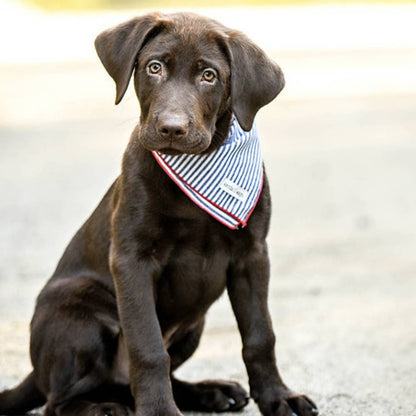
(24, 397)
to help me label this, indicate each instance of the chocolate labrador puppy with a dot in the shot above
(126, 304)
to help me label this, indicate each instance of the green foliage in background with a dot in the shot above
(58, 5)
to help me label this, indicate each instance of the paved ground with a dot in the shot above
(340, 151)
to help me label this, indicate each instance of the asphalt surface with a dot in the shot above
(340, 152)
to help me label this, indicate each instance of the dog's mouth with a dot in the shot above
(170, 151)
(193, 144)
(177, 149)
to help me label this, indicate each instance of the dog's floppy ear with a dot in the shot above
(119, 46)
(255, 79)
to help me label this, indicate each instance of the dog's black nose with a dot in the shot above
(173, 128)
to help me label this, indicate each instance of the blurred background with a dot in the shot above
(340, 149)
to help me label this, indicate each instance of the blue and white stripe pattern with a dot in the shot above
(226, 183)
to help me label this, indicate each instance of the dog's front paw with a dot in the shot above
(209, 396)
(286, 403)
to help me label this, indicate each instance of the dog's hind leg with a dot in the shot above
(88, 395)
(204, 396)
(24, 397)
(74, 342)
(79, 407)
(107, 400)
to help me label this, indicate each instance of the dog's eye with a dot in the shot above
(154, 68)
(209, 75)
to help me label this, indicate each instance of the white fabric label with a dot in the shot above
(234, 190)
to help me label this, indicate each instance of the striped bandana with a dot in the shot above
(226, 183)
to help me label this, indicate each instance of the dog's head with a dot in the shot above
(190, 73)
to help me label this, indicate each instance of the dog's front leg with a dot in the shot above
(247, 288)
(134, 275)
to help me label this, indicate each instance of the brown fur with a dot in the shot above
(126, 304)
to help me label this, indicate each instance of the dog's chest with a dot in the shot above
(192, 279)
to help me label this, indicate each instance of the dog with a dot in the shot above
(125, 306)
